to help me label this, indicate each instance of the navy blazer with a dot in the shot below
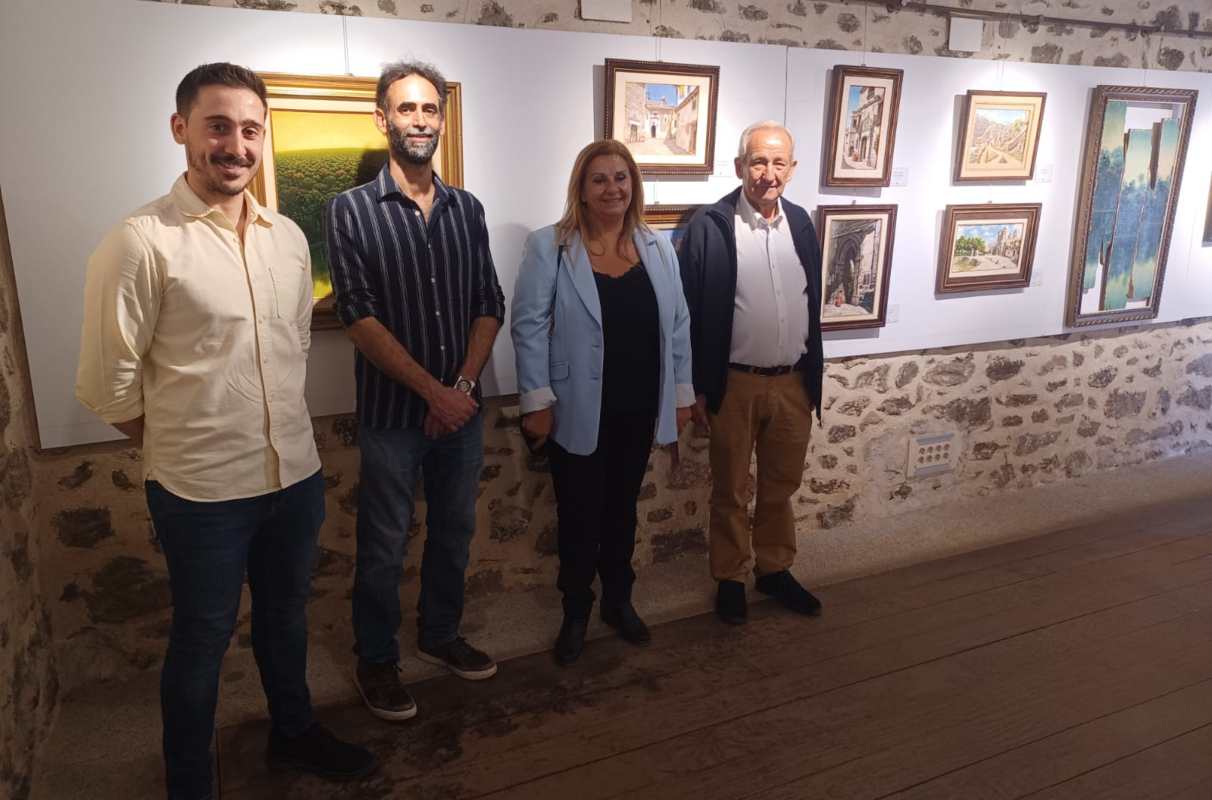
(560, 366)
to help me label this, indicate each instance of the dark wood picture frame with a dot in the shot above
(675, 132)
(878, 273)
(841, 133)
(988, 214)
(1092, 260)
(962, 172)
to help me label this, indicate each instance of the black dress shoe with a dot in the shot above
(571, 640)
(782, 586)
(628, 623)
(730, 604)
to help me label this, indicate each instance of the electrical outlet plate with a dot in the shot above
(931, 454)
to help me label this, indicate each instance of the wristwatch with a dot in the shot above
(465, 385)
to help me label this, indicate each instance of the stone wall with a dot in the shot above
(28, 682)
(1023, 413)
(841, 25)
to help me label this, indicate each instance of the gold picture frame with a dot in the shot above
(999, 137)
(327, 123)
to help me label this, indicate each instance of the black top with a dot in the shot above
(631, 374)
(426, 281)
(707, 258)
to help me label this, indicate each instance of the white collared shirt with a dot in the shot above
(770, 322)
(206, 336)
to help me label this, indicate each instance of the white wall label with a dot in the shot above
(900, 176)
(608, 10)
(1044, 174)
(1037, 278)
(894, 312)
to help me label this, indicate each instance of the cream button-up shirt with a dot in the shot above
(770, 323)
(206, 336)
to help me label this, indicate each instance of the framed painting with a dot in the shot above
(1136, 145)
(856, 262)
(669, 220)
(863, 107)
(987, 246)
(1208, 219)
(664, 113)
(321, 139)
(999, 136)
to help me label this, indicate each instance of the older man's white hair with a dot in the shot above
(765, 125)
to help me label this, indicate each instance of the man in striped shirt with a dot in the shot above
(418, 294)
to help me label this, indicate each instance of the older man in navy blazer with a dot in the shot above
(751, 267)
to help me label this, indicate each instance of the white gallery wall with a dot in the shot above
(86, 91)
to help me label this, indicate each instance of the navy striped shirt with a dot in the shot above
(426, 282)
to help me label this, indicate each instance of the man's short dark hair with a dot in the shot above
(218, 74)
(402, 69)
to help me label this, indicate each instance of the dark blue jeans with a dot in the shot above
(209, 547)
(392, 461)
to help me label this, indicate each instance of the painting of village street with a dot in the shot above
(1131, 207)
(861, 148)
(664, 113)
(987, 246)
(662, 118)
(1000, 136)
(856, 256)
(864, 108)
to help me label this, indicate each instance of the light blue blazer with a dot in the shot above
(560, 366)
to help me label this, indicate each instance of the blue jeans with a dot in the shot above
(209, 547)
(392, 461)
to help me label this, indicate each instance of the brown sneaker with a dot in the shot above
(383, 693)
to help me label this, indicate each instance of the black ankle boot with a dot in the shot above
(571, 640)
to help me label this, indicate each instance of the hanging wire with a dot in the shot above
(866, 40)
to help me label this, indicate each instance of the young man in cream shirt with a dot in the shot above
(196, 329)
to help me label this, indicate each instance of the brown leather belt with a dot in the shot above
(766, 371)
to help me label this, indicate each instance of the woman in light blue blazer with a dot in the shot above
(602, 336)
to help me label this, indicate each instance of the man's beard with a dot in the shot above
(413, 154)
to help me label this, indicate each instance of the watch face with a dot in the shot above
(464, 385)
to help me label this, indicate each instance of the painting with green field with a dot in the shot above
(316, 155)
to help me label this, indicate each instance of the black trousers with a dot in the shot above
(595, 502)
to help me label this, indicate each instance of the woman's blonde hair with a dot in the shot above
(574, 219)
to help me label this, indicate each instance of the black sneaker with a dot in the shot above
(460, 658)
(730, 603)
(383, 693)
(782, 586)
(627, 622)
(317, 751)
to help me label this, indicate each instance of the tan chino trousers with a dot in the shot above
(773, 414)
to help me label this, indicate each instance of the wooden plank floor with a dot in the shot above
(1072, 665)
